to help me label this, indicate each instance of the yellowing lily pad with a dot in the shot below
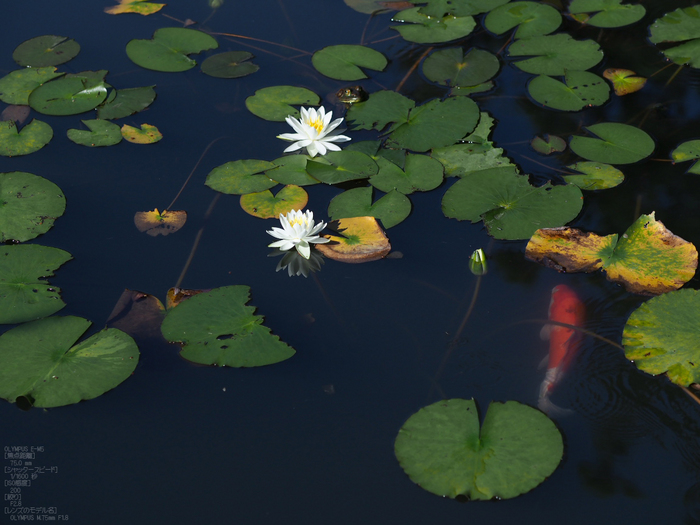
(648, 259)
(176, 295)
(33, 137)
(157, 223)
(689, 150)
(363, 240)
(146, 135)
(134, 6)
(623, 80)
(267, 206)
(596, 176)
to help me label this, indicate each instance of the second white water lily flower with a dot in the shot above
(314, 131)
(297, 231)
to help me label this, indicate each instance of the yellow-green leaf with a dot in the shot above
(146, 135)
(267, 206)
(157, 223)
(623, 80)
(134, 6)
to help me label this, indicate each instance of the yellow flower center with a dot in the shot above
(317, 123)
(301, 220)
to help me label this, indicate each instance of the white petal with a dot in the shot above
(321, 240)
(311, 149)
(331, 146)
(304, 249)
(282, 245)
(291, 136)
(321, 147)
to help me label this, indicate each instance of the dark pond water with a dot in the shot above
(310, 440)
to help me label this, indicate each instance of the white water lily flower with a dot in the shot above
(314, 131)
(297, 231)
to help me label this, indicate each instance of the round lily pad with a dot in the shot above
(344, 62)
(147, 134)
(606, 13)
(662, 336)
(554, 55)
(616, 144)
(24, 294)
(38, 361)
(689, 150)
(29, 205)
(596, 176)
(268, 206)
(70, 95)
(623, 80)
(531, 18)
(46, 50)
(442, 449)
(681, 27)
(231, 64)
(361, 240)
(451, 67)
(580, 89)
(274, 103)
(391, 209)
(420, 173)
(156, 223)
(291, 170)
(16, 86)
(239, 177)
(168, 49)
(425, 29)
(102, 133)
(126, 102)
(342, 166)
(216, 328)
(33, 137)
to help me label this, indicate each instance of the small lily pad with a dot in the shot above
(29, 205)
(273, 103)
(451, 67)
(608, 13)
(689, 150)
(616, 144)
(46, 50)
(531, 18)
(102, 133)
(344, 62)
(71, 94)
(267, 206)
(231, 64)
(16, 86)
(216, 328)
(24, 294)
(662, 336)
(239, 177)
(554, 55)
(580, 89)
(624, 82)
(160, 223)
(127, 102)
(40, 361)
(548, 144)
(424, 29)
(342, 166)
(169, 48)
(134, 6)
(33, 137)
(362, 241)
(391, 209)
(596, 176)
(146, 135)
(442, 449)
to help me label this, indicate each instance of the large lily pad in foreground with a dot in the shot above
(216, 328)
(38, 361)
(442, 449)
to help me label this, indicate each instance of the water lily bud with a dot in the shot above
(214, 4)
(477, 262)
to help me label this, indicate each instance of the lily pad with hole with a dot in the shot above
(343, 62)
(156, 223)
(452, 67)
(102, 133)
(275, 102)
(24, 294)
(420, 173)
(146, 134)
(31, 138)
(606, 13)
(391, 209)
(689, 150)
(231, 64)
(580, 89)
(361, 240)
(291, 170)
(554, 55)
(341, 166)
(42, 362)
(662, 336)
(509, 205)
(267, 206)
(169, 48)
(126, 102)
(46, 50)
(29, 205)
(531, 19)
(615, 144)
(216, 328)
(443, 450)
(596, 176)
(239, 177)
(424, 29)
(624, 81)
(16, 86)
(648, 259)
(71, 94)
(142, 7)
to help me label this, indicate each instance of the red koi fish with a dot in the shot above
(565, 307)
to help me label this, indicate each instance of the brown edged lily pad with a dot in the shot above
(363, 240)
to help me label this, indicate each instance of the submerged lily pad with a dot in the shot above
(168, 49)
(531, 18)
(616, 144)
(647, 259)
(554, 55)
(424, 29)
(231, 64)
(16, 86)
(46, 50)
(267, 206)
(40, 361)
(273, 103)
(160, 223)
(608, 13)
(451, 67)
(342, 166)
(127, 102)
(70, 95)
(662, 336)
(33, 137)
(102, 133)
(442, 449)
(29, 205)
(391, 209)
(24, 294)
(596, 176)
(216, 328)
(239, 177)
(344, 62)
(686, 151)
(579, 90)
(362, 241)
(548, 144)
(679, 26)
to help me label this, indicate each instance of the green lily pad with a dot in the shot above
(344, 62)
(689, 150)
(483, 129)
(442, 449)
(273, 103)
(342, 166)
(168, 49)
(679, 26)
(579, 90)
(462, 159)
(381, 108)
(127, 102)
(16, 86)
(239, 177)
(267, 206)
(24, 295)
(232, 64)
(459, 8)
(554, 55)
(46, 50)
(420, 173)
(510, 207)
(608, 13)
(616, 144)
(33, 137)
(662, 336)
(391, 209)
(369, 7)
(424, 29)
(451, 67)
(71, 94)
(216, 328)
(291, 170)
(596, 176)
(102, 133)
(531, 18)
(38, 361)
(548, 144)
(29, 205)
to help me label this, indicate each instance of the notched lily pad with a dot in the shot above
(169, 48)
(580, 89)
(71, 94)
(363, 240)
(531, 19)
(689, 150)
(391, 209)
(623, 80)
(231, 64)
(451, 67)
(342, 166)
(606, 13)
(344, 62)
(615, 144)
(127, 102)
(239, 177)
(134, 6)
(102, 133)
(146, 135)
(554, 55)
(160, 223)
(46, 50)
(275, 102)
(16, 86)
(424, 29)
(596, 176)
(548, 144)
(31, 138)
(267, 206)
